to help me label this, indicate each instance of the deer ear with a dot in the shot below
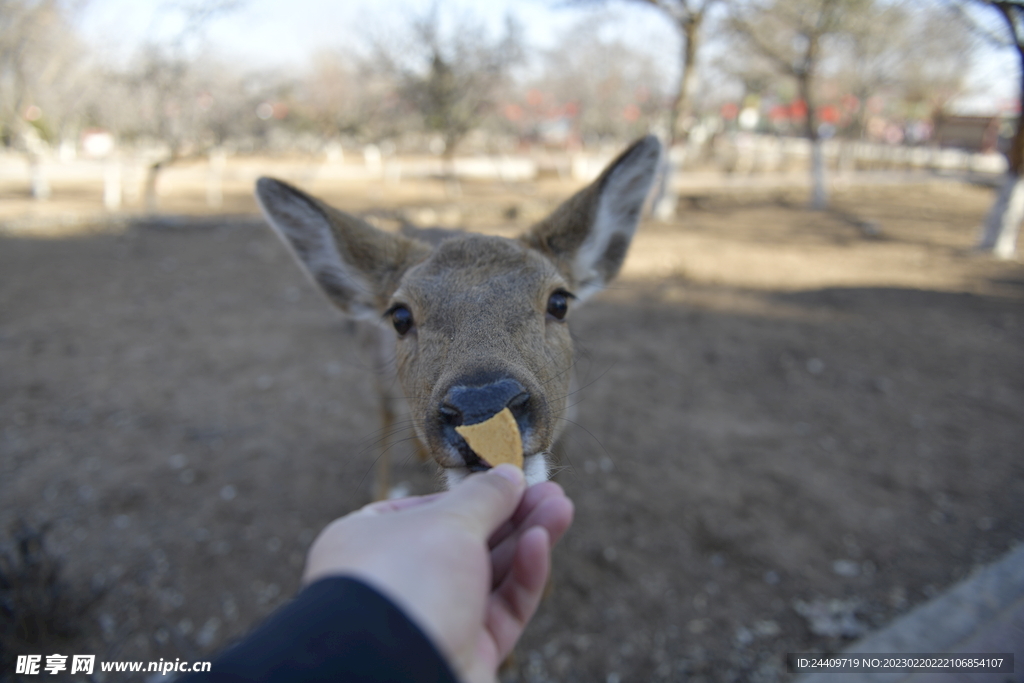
(356, 265)
(587, 237)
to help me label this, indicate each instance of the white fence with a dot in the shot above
(750, 153)
(121, 180)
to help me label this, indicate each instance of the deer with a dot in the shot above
(470, 324)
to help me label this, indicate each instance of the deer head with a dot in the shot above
(479, 322)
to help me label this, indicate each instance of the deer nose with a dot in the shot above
(468, 405)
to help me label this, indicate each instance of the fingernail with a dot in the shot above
(510, 472)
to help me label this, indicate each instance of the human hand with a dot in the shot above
(468, 566)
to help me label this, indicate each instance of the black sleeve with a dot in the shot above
(336, 629)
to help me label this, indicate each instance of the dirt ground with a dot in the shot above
(792, 430)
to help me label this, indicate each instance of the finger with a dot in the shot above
(516, 600)
(534, 496)
(484, 501)
(554, 514)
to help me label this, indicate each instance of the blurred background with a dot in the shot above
(136, 100)
(800, 413)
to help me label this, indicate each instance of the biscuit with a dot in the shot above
(495, 440)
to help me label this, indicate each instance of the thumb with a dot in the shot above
(484, 501)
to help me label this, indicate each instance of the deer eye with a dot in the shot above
(558, 304)
(401, 318)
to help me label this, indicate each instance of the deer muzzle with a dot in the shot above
(477, 401)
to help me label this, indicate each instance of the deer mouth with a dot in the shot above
(535, 469)
(478, 399)
(472, 461)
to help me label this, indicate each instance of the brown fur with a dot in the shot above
(479, 304)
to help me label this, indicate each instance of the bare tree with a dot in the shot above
(909, 52)
(935, 70)
(168, 86)
(450, 75)
(1002, 224)
(688, 17)
(874, 56)
(791, 35)
(596, 84)
(341, 96)
(39, 61)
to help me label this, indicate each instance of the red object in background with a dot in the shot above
(798, 109)
(828, 114)
(778, 113)
(730, 111)
(513, 112)
(631, 112)
(1009, 106)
